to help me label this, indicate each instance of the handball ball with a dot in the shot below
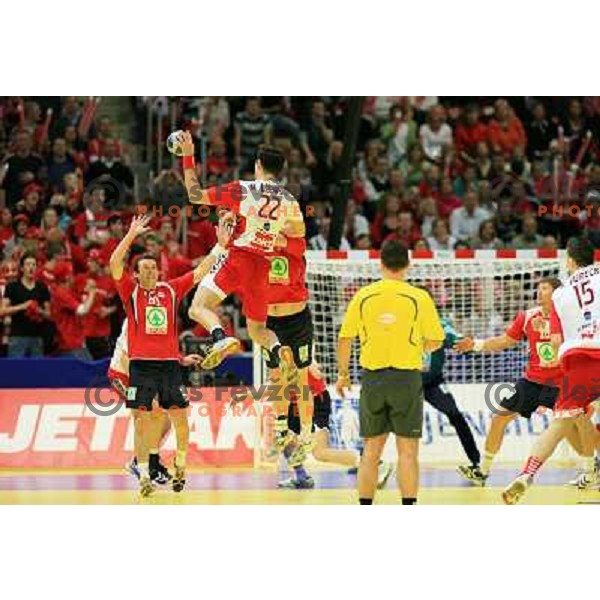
(173, 143)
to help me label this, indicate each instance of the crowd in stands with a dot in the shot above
(436, 173)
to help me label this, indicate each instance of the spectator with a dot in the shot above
(110, 165)
(440, 238)
(114, 224)
(483, 164)
(465, 221)
(363, 242)
(469, 134)
(250, 132)
(529, 237)
(487, 238)
(96, 323)
(447, 201)
(428, 213)
(59, 164)
(68, 310)
(320, 241)
(507, 224)
(27, 301)
(436, 134)
(387, 220)
(30, 206)
(202, 236)
(6, 227)
(549, 243)
(400, 133)
(421, 246)
(413, 167)
(407, 232)
(540, 133)
(24, 168)
(355, 225)
(505, 131)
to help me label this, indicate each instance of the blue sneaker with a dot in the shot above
(133, 469)
(306, 483)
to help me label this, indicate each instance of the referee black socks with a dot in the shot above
(409, 500)
(365, 500)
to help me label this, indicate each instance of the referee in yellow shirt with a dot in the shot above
(396, 324)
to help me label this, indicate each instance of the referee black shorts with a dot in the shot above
(161, 379)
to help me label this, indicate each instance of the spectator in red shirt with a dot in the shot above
(506, 131)
(387, 220)
(6, 227)
(67, 310)
(114, 224)
(470, 132)
(91, 225)
(97, 322)
(446, 199)
(408, 232)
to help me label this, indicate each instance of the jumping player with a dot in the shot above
(575, 336)
(539, 385)
(291, 321)
(264, 210)
(118, 375)
(153, 344)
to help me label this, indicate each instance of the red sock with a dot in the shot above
(532, 465)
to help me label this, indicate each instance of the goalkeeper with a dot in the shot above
(437, 395)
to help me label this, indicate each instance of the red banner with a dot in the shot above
(60, 428)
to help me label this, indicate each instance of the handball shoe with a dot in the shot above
(133, 469)
(384, 472)
(473, 474)
(219, 351)
(178, 479)
(305, 483)
(515, 490)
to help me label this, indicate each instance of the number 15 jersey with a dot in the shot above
(576, 311)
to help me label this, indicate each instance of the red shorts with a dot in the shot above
(119, 382)
(580, 384)
(247, 275)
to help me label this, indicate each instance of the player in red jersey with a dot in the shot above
(118, 375)
(264, 210)
(539, 385)
(575, 336)
(153, 344)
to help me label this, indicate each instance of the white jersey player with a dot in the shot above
(575, 332)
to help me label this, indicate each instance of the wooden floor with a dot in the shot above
(440, 485)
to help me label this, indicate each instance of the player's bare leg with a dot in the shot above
(543, 448)
(408, 468)
(584, 440)
(494, 439)
(286, 442)
(266, 338)
(179, 419)
(148, 438)
(202, 310)
(324, 453)
(306, 407)
(368, 467)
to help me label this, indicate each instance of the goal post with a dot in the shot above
(478, 291)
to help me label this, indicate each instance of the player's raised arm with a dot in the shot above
(195, 192)
(139, 226)
(224, 232)
(294, 226)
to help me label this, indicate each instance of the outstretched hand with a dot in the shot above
(465, 345)
(139, 225)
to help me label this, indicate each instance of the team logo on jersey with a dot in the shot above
(280, 270)
(303, 353)
(156, 320)
(546, 352)
(131, 392)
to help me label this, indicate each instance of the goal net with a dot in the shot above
(479, 292)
